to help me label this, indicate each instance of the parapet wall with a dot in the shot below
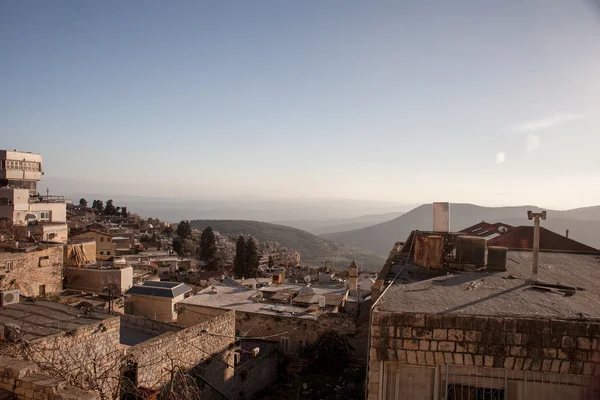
(21, 378)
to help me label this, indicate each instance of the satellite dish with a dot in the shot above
(307, 279)
(30, 217)
(502, 229)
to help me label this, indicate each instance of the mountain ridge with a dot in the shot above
(313, 249)
(583, 224)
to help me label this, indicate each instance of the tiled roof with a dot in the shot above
(521, 238)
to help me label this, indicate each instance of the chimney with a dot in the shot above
(567, 234)
(441, 217)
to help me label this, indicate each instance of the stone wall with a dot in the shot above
(94, 280)
(148, 326)
(516, 344)
(70, 354)
(254, 375)
(30, 270)
(298, 331)
(21, 378)
(209, 343)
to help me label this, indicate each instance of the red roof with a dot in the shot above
(485, 229)
(521, 238)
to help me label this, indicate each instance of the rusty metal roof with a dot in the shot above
(521, 238)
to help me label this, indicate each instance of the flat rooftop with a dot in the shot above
(509, 293)
(39, 318)
(242, 299)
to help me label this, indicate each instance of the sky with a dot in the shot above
(486, 102)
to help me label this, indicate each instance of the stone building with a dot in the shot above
(105, 249)
(33, 269)
(282, 314)
(156, 300)
(487, 334)
(54, 351)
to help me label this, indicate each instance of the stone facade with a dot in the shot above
(297, 331)
(209, 343)
(253, 376)
(67, 354)
(35, 272)
(520, 346)
(21, 378)
(96, 280)
(146, 325)
(153, 307)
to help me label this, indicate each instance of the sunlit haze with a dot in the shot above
(493, 103)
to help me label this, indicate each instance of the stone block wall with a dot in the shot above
(68, 353)
(209, 343)
(519, 344)
(255, 375)
(151, 327)
(22, 379)
(32, 269)
(299, 331)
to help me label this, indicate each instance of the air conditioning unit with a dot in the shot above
(255, 351)
(236, 358)
(8, 297)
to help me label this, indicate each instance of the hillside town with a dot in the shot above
(100, 303)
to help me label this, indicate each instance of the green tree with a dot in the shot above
(167, 231)
(330, 353)
(110, 208)
(184, 230)
(178, 246)
(271, 262)
(208, 249)
(98, 205)
(251, 258)
(239, 261)
(83, 202)
(124, 212)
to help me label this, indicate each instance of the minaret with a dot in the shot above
(353, 276)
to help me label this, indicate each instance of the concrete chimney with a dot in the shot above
(567, 234)
(441, 217)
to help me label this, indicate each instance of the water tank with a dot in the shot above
(471, 250)
(497, 258)
(429, 251)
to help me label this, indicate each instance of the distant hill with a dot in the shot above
(583, 224)
(322, 226)
(313, 249)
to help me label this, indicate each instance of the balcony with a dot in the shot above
(46, 199)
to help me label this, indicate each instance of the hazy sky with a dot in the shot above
(489, 102)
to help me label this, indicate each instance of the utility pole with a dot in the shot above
(536, 236)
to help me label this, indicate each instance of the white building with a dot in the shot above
(20, 203)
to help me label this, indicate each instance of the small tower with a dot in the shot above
(353, 276)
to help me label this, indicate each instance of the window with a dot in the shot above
(285, 344)
(102, 238)
(108, 253)
(478, 383)
(42, 290)
(44, 261)
(8, 267)
(101, 253)
(51, 236)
